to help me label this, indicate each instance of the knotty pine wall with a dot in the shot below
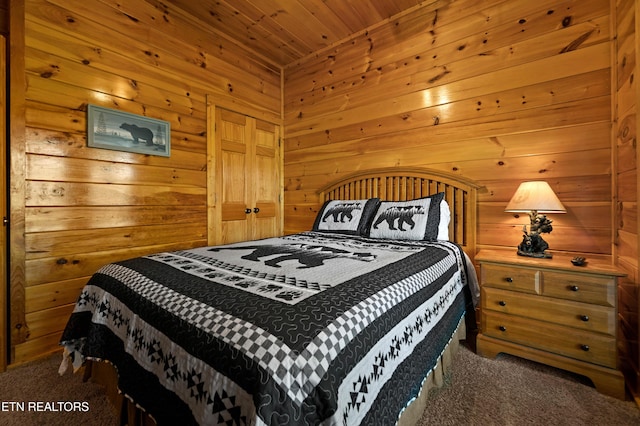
(496, 91)
(627, 25)
(82, 207)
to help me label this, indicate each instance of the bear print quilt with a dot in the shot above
(311, 328)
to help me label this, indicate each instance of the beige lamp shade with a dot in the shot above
(535, 196)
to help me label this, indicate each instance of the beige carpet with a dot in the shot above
(512, 391)
(37, 383)
(505, 391)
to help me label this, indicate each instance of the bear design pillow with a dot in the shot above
(408, 220)
(346, 216)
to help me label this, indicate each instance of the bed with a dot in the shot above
(346, 323)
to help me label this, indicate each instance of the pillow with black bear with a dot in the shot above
(408, 220)
(346, 216)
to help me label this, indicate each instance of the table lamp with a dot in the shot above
(535, 198)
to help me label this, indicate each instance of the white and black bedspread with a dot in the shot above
(311, 328)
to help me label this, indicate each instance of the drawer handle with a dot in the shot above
(509, 279)
(247, 211)
(574, 288)
(502, 328)
(585, 348)
(584, 318)
(502, 303)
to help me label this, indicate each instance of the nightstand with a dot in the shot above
(552, 312)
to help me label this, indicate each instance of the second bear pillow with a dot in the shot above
(408, 220)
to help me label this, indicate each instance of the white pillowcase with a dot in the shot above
(445, 218)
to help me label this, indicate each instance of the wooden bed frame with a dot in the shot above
(388, 184)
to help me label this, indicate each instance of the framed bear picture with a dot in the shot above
(122, 131)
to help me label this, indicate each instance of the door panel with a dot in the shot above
(266, 177)
(233, 156)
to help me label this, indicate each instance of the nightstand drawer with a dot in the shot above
(586, 346)
(511, 278)
(580, 287)
(571, 314)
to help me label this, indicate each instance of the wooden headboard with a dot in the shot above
(400, 184)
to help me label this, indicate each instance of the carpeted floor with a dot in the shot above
(35, 384)
(513, 391)
(479, 391)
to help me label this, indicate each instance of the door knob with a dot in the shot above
(256, 210)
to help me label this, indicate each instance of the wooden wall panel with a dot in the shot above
(626, 92)
(83, 207)
(499, 92)
(18, 331)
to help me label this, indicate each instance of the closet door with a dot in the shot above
(247, 179)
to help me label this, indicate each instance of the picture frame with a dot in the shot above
(122, 131)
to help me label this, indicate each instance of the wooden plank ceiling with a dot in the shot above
(284, 31)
